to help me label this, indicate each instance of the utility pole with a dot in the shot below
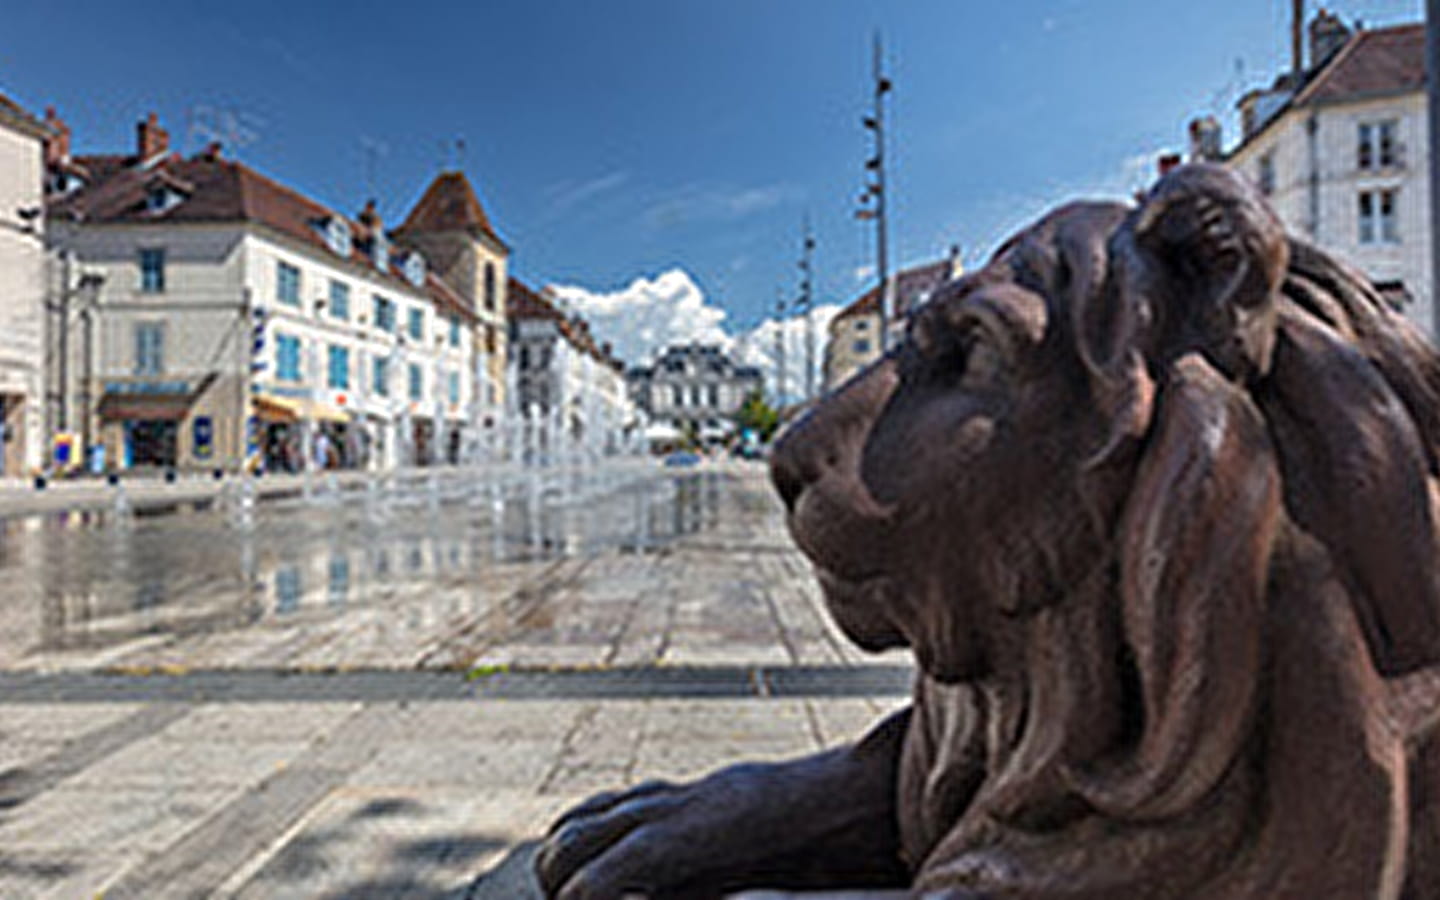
(806, 307)
(875, 191)
(780, 348)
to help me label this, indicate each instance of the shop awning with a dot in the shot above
(162, 407)
(324, 412)
(276, 409)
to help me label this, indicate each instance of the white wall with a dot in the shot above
(22, 293)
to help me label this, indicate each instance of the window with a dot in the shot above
(861, 346)
(339, 368)
(152, 270)
(695, 395)
(454, 381)
(337, 235)
(162, 199)
(380, 251)
(524, 357)
(417, 324)
(287, 284)
(287, 357)
(677, 395)
(339, 299)
(384, 314)
(149, 348)
(714, 395)
(1265, 177)
(490, 286)
(417, 382)
(1377, 217)
(1378, 145)
(380, 376)
(862, 325)
(454, 331)
(414, 267)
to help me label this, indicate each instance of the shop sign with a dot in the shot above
(204, 434)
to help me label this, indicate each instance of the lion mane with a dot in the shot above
(1234, 695)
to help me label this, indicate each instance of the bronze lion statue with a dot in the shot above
(1152, 498)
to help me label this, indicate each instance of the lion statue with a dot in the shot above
(1152, 499)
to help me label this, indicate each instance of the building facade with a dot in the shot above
(695, 388)
(22, 290)
(854, 333)
(1340, 148)
(559, 370)
(242, 323)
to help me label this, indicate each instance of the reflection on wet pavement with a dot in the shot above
(87, 590)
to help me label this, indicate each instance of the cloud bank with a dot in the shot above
(650, 314)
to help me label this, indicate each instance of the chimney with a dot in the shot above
(370, 216)
(1204, 139)
(1297, 42)
(212, 151)
(151, 139)
(957, 268)
(57, 146)
(1167, 163)
(1327, 35)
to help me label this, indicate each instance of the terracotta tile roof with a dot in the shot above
(522, 302)
(1377, 61)
(450, 204)
(219, 190)
(911, 285)
(14, 115)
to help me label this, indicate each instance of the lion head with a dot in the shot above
(1110, 488)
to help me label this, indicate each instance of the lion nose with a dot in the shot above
(831, 432)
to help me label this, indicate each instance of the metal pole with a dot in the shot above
(1432, 90)
(806, 307)
(62, 402)
(86, 319)
(780, 349)
(882, 87)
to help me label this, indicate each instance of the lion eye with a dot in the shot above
(983, 364)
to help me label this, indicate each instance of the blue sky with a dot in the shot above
(617, 140)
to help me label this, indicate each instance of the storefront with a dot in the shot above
(143, 422)
(279, 433)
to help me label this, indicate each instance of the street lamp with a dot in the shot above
(875, 191)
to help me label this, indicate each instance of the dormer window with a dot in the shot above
(161, 199)
(380, 251)
(337, 236)
(414, 267)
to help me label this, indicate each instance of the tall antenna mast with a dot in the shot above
(807, 305)
(875, 191)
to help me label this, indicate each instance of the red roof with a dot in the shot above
(1373, 62)
(911, 285)
(14, 115)
(521, 302)
(219, 190)
(449, 204)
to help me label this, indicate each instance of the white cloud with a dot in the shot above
(567, 194)
(648, 315)
(700, 202)
(652, 313)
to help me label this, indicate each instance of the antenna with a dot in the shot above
(231, 126)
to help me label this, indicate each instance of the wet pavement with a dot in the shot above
(389, 689)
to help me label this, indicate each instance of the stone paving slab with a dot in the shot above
(338, 750)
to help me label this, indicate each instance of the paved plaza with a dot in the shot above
(389, 693)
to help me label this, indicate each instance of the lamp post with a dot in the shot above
(875, 192)
(806, 307)
(780, 348)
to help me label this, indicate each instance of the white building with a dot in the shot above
(22, 290)
(560, 371)
(854, 339)
(696, 388)
(240, 320)
(1341, 149)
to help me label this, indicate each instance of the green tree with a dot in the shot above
(758, 416)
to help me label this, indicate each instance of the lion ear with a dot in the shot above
(1209, 257)
(1194, 542)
